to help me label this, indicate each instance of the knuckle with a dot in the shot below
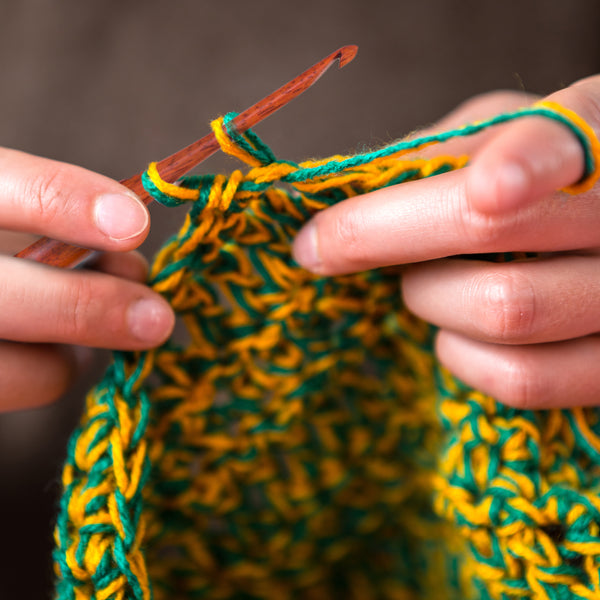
(46, 194)
(348, 236)
(482, 232)
(35, 375)
(79, 307)
(55, 384)
(505, 306)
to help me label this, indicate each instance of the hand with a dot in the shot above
(525, 332)
(45, 310)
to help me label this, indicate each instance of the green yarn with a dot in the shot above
(303, 443)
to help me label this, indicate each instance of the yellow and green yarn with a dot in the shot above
(302, 442)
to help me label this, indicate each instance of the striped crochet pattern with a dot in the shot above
(297, 440)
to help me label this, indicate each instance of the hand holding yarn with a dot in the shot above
(523, 331)
(43, 310)
(304, 418)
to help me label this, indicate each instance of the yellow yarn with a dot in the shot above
(590, 179)
(302, 442)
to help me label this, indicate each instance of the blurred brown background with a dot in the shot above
(112, 85)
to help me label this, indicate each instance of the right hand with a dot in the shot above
(45, 312)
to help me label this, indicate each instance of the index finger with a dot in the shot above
(441, 216)
(432, 218)
(69, 203)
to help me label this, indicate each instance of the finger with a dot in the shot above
(431, 218)
(393, 225)
(542, 376)
(527, 302)
(533, 157)
(42, 304)
(11, 242)
(34, 375)
(127, 265)
(69, 203)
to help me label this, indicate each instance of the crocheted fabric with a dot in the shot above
(298, 439)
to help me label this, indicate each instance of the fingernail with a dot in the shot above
(120, 216)
(306, 248)
(150, 320)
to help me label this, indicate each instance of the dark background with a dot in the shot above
(113, 84)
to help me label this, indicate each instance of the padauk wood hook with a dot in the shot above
(60, 254)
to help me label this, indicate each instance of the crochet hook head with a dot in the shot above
(59, 254)
(178, 164)
(292, 89)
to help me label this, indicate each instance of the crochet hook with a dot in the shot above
(59, 254)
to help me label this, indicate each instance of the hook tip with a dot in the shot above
(346, 54)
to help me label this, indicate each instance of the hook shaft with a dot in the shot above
(171, 168)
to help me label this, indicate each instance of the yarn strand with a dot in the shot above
(298, 440)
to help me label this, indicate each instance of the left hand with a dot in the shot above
(525, 332)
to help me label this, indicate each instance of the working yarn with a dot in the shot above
(301, 442)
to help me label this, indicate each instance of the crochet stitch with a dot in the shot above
(299, 439)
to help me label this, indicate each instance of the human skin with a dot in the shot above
(48, 315)
(525, 332)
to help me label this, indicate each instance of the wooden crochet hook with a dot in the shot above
(59, 254)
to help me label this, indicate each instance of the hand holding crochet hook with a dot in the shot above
(45, 311)
(523, 331)
(49, 315)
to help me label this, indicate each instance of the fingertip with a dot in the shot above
(69, 203)
(305, 248)
(34, 375)
(150, 320)
(527, 161)
(466, 358)
(83, 357)
(473, 362)
(444, 345)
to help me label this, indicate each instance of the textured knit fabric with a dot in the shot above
(296, 439)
